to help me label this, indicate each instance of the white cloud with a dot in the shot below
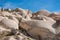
(12, 5)
(9, 5)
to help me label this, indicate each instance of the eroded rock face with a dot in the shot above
(55, 16)
(40, 23)
(9, 24)
(42, 12)
(39, 28)
(21, 24)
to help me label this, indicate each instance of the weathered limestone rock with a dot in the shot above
(9, 23)
(36, 32)
(37, 28)
(23, 13)
(55, 16)
(29, 13)
(20, 24)
(4, 13)
(42, 12)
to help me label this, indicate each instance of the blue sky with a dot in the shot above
(33, 5)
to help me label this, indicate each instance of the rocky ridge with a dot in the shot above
(23, 24)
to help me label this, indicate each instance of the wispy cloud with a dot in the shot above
(9, 5)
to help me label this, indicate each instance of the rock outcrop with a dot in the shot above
(21, 24)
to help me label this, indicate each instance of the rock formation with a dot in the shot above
(22, 24)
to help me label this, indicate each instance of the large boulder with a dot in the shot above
(37, 28)
(9, 23)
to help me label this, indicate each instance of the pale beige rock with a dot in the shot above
(17, 37)
(10, 23)
(55, 16)
(4, 13)
(38, 27)
(41, 12)
(2, 30)
(29, 13)
(21, 11)
(1, 17)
